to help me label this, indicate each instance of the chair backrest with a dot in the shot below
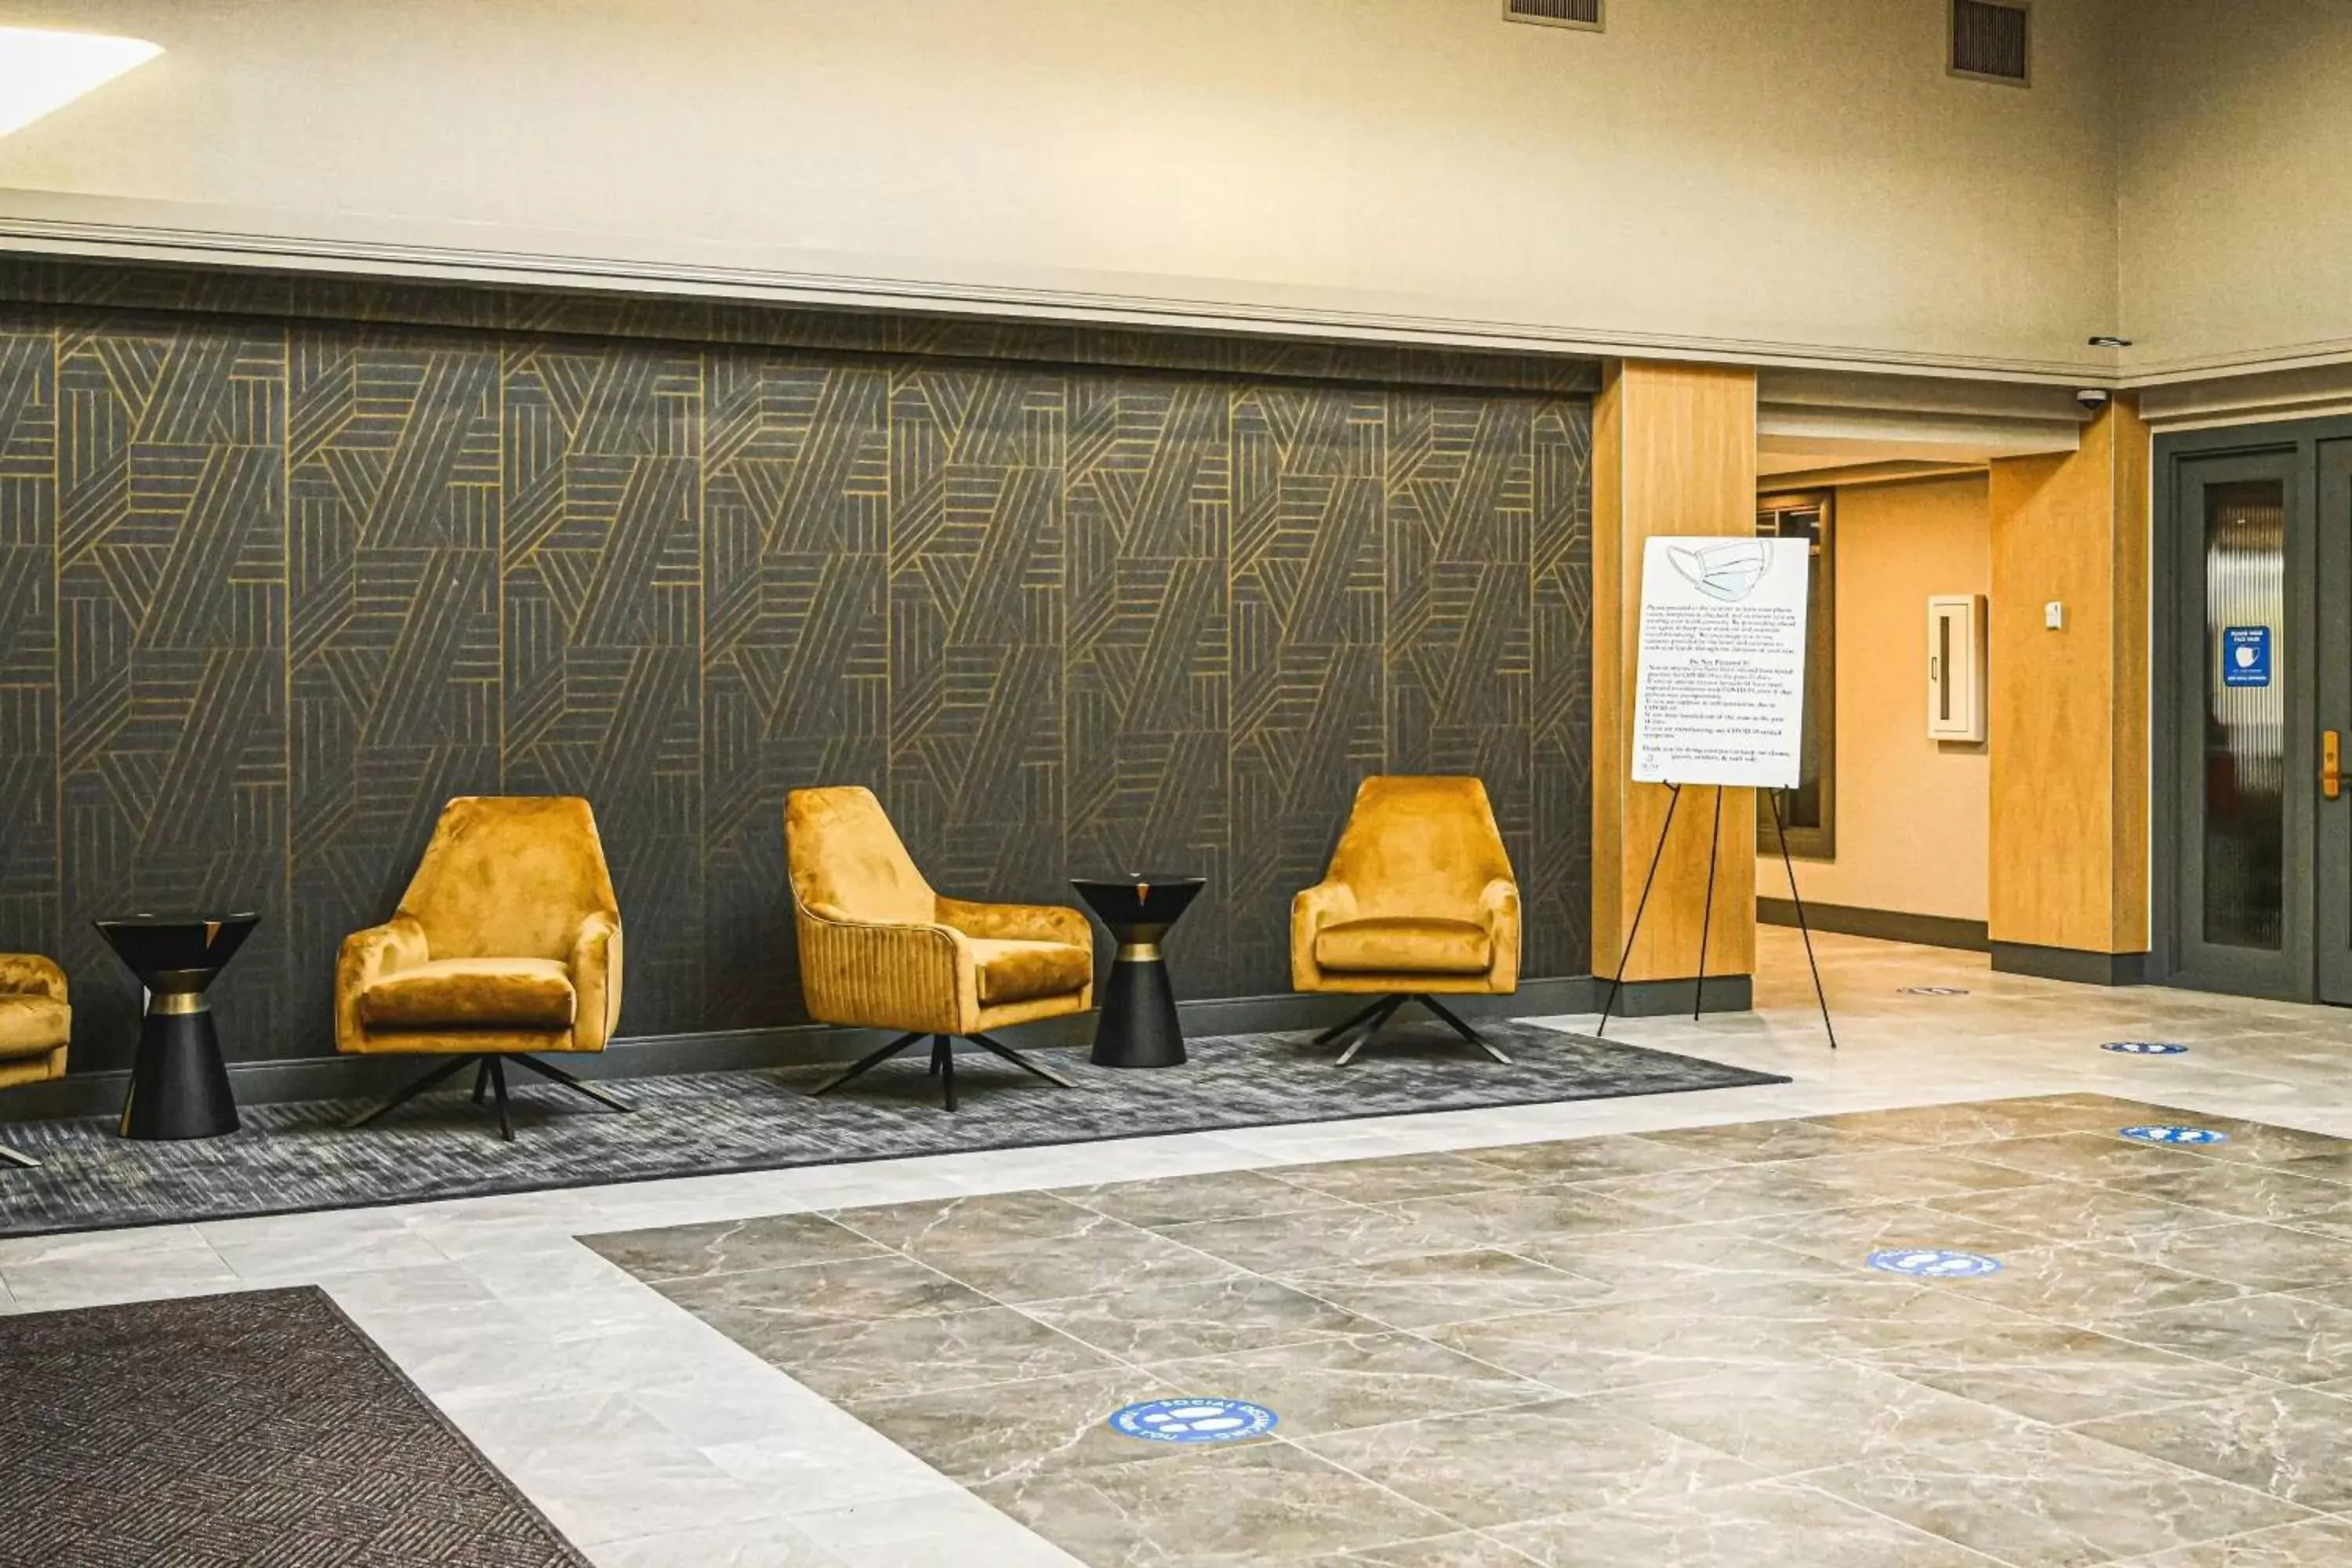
(510, 875)
(843, 853)
(1420, 845)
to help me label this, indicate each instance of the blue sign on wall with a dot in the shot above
(1196, 1419)
(2245, 655)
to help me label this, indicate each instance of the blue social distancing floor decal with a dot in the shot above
(2174, 1134)
(2146, 1048)
(1198, 1419)
(1933, 1263)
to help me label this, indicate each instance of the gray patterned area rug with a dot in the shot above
(297, 1156)
(254, 1428)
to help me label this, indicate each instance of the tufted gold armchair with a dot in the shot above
(1420, 899)
(507, 943)
(880, 950)
(36, 1023)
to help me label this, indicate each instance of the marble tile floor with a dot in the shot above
(1632, 1273)
(1645, 1340)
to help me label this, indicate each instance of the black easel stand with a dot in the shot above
(1617, 981)
(1780, 832)
(1707, 918)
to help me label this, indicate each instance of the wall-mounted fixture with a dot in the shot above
(1584, 14)
(1956, 667)
(1992, 40)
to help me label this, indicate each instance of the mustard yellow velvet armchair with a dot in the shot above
(1420, 899)
(36, 1023)
(507, 943)
(880, 950)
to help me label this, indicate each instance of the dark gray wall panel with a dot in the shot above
(273, 586)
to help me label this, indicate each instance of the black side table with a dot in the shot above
(179, 1086)
(1137, 1028)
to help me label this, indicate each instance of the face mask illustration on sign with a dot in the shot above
(1725, 572)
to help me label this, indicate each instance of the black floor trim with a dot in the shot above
(1884, 925)
(2070, 963)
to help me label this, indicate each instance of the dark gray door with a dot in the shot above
(2244, 748)
(2333, 791)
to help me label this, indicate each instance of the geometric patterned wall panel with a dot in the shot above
(171, 764)
(394, 494)
(271, 590)
(28, 638)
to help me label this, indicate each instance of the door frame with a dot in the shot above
(2331, 841)
(2173, 640)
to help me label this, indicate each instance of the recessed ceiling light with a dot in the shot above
(2105, 341)
(42, 71)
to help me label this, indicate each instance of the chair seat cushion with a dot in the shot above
(30, 1025)
(1024, 971)
(473, 993)
(1393, 944)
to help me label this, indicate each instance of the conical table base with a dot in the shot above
(179, 1084)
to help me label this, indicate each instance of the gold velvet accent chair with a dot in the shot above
(507, 945)
(1419, 901)
(880, 950)
(36, 1023)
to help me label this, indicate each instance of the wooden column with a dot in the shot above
(2069, 705)
(1674, 452)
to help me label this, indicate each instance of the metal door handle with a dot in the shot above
(2331, 763)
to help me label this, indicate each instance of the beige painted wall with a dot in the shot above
(2237, 190)
(1754, 179)
(1912, 813)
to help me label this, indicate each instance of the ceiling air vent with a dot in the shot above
(1990, 40)
(1585, 14)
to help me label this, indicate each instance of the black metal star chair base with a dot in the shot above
(1370, 1019)
(942, 1063)
(491, 1074)
(18, 1158)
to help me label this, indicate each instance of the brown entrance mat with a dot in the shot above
(261, 1427)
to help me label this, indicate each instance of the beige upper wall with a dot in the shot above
(1913, 812)
(2237, 189)
(1753, 179)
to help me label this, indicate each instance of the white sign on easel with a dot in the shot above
(1719, 700)
(1720, 694)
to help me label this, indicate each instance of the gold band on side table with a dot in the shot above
(1137, 952)
(177, 1003)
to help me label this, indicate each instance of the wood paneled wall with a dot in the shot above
(1674, 452)
(2070, 707)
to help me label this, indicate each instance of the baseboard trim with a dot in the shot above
(2070, 963)
(1883, 925)
(791, 1045)
(1665, 998)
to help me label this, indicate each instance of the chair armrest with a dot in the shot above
(30, 975)
(1018, 922)
(1498, 906)
(366, 957)
(595, 981)
(917, 977)
(1325, 903)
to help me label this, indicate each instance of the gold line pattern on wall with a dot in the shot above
(272, 590)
